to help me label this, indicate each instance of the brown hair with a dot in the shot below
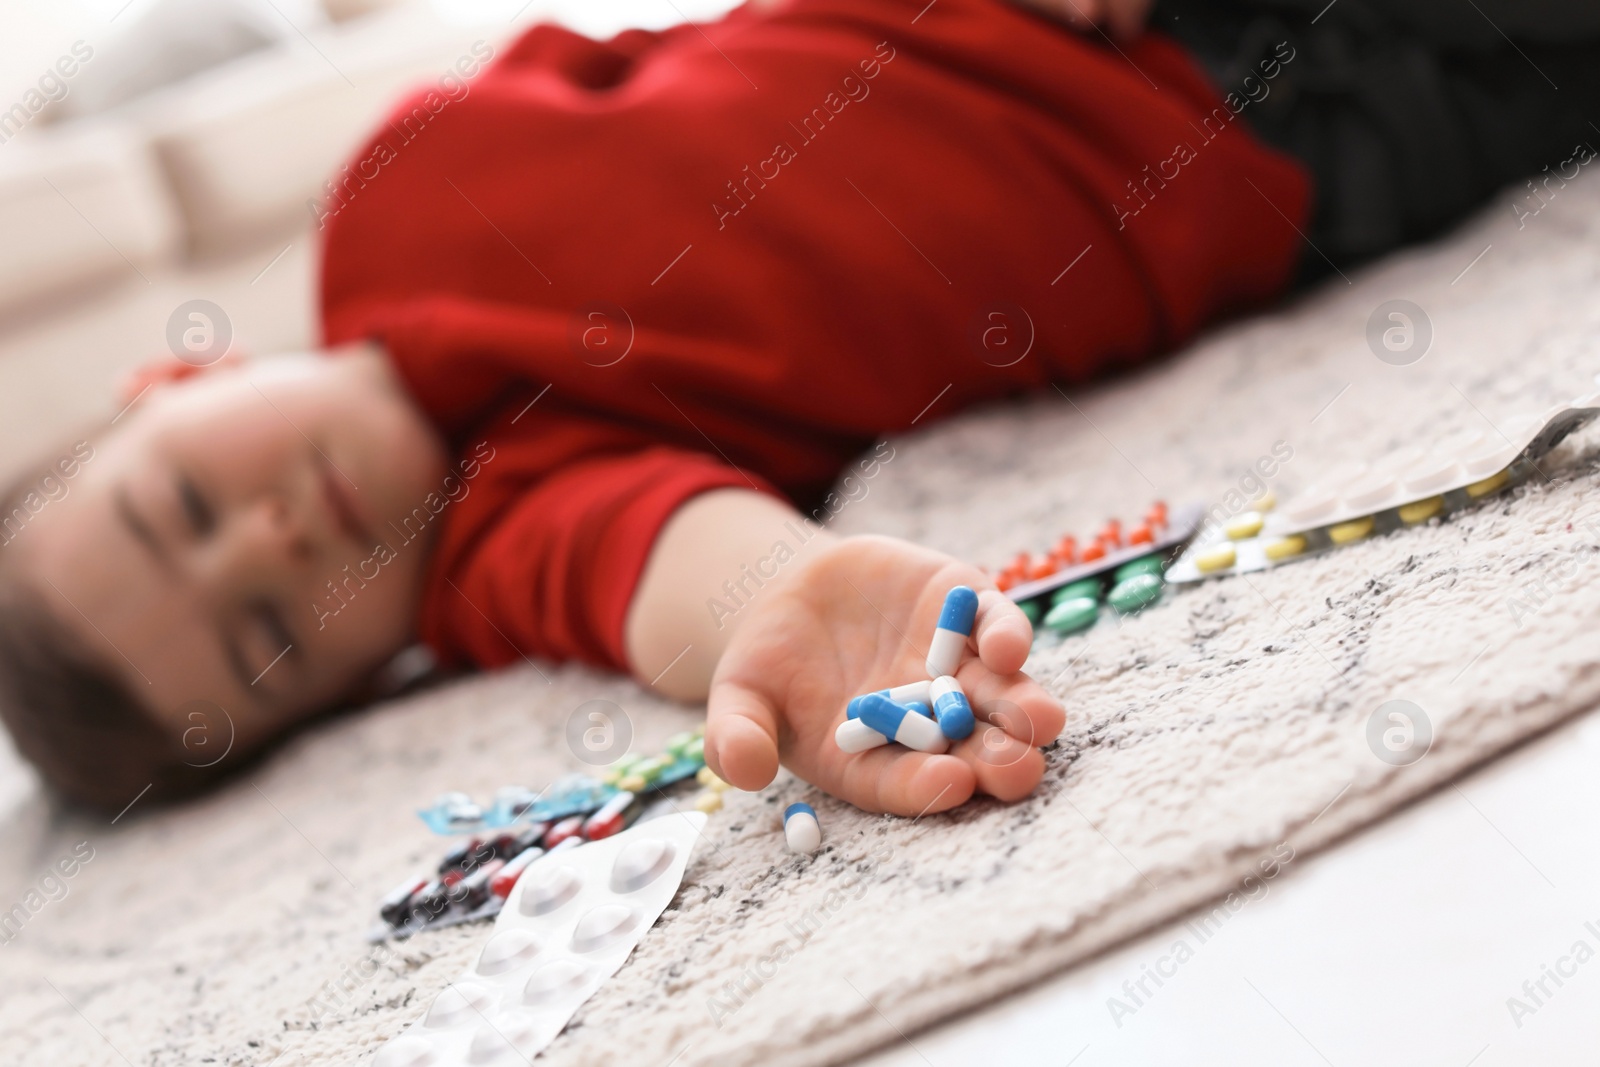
(69, 712)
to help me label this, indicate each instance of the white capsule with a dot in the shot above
(853, 735)
(801, 829)
(902, 725)
(950, 638)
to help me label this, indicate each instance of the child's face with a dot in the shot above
(192, 549)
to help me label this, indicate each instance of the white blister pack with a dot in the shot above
(1405, 488)
(570, 923)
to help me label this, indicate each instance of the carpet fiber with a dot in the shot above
(1219, 735)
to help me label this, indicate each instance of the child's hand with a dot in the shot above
(1125, 18)
(853, 616)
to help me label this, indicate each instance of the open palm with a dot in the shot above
(854, 616)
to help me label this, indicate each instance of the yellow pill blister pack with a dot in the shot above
(1362, 500)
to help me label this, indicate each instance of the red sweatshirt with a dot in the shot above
(620, 274)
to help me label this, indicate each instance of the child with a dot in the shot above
(606, 321)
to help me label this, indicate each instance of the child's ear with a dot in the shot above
(164, 370)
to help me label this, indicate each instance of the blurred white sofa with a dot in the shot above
(212, 163)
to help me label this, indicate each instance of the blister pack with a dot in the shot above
(570, 923)
(1405, 488)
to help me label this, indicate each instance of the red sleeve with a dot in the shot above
(543, 554)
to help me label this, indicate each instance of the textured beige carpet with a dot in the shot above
(1211, 738)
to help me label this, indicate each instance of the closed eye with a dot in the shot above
(202, 520)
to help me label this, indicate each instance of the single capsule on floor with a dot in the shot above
(708, 801)
(950, 707)
(900, 724)
(801, 829)
(708, 778)
(955, 626)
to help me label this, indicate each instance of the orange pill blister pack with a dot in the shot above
(1362, 500)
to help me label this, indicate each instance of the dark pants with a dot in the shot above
(1408, 113)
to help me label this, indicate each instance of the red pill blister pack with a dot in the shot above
(569, 924)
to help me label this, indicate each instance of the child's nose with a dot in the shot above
(267, 538)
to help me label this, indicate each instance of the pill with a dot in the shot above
(1421, 510)
(1043, 569)
(910, 693)
(1005, 581)
(853, 735)
(1092, 553)
(1429, 473)
(1216, 559)
(902, 725)
(1268, 501)
(650, 769)
(474, 888)
(1285, 548)
(1241, 527)
(708, 778)
(1111, 535)
(632, 783)
(1083, 587)
(951, 709)
(1071, 616)
(696, 749)
(602, 926)
(557, 979)
(505, 880)
(548, 889)
(1033, 610)
(1157, 513)
(955, 626)
(456, 858)
(568, 827)
(458, 1001)
(1491, 484)
(708, 801)
(614, 815)
(801, 829)
(1143, 565)
(641, 863)
(507, 950)
(1136, 593)
(677, 743)
(1141, 535)
(393, 906)
(921, 709)
(1066, 549)
(1354, 530)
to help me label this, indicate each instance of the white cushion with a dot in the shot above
(79, 203)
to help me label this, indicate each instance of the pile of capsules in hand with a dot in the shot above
(924, 715)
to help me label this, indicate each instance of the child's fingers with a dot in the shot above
(741, 736)
(902, 782)
(1004, 766)
(1016, 703)
(1003, 634)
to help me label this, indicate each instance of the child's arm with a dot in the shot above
(801, 627)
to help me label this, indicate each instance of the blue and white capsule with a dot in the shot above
(955, 626)
(801, 829)
(900, 724)
(950, 707)
(853, 735)
(908, 694)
